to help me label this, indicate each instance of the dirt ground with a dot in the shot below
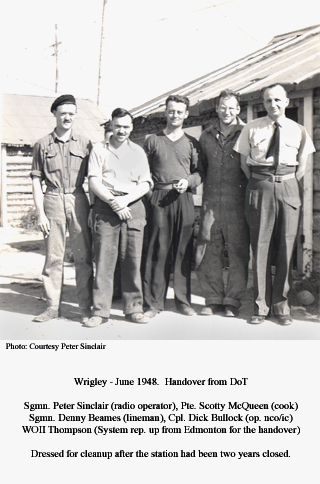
(22, 297)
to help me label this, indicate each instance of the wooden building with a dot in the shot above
(25, 119)
(292, 59)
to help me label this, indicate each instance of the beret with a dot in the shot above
(64, 99)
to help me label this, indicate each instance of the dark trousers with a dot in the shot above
(67, 210)
(170, 237)
(113, 237)
(272, 211)
(210, 270)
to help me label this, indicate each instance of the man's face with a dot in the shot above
(176, 113)
(228, 110)
(275, 102)
(121, 128)
(65, 115)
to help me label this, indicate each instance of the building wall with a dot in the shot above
(154, 124)
(18, 196)
(316, 181)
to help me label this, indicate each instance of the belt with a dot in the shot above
(164, 186)
(66, 190)
(275, 178)
(167, 186)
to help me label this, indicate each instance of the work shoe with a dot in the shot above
(151, 313)
(95, 321)
(231, 311)
(284, 319)
(139, 318)
(187, 311)
(85, 315)
(49, 313)
(255, 319)
(212, 309)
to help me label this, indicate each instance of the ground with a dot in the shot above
(22, 297)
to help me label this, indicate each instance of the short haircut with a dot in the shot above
(277, 84)
(178, 99)
(121, 113)
(227, 94)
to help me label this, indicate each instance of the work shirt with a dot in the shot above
(61, 164)
(255, 139)
(119, 171)
(171, 161)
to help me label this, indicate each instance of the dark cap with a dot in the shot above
(64, 99)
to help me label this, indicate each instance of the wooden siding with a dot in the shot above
(316, 181)
(19, 200)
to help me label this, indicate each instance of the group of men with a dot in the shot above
(251, 175)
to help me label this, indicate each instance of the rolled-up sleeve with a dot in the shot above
(95, 162)
(196, 165)
(37, 162)
(144, 174)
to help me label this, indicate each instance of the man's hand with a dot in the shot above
(118, 203)
(43, 224)
(124, 214)
(181, 186)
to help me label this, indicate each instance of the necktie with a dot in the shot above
(274, 146)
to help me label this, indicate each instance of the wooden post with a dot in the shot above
(249, 119)
(249, 113)
(101, 48)
(306, 238)
(3, 187)
(56, 51)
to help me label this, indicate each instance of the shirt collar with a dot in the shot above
(215, 129)
(281, 121)
(129, 143)
(56, 137)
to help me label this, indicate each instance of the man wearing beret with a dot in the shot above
(60, 159)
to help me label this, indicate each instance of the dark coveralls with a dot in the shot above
(222, 219)
(63, 167)
(171, 221)
(272, 207)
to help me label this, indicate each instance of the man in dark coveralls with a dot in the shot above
(61, 160)
(222, 216)
(176, 167)
(274, 152)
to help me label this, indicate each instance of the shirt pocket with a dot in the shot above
(259, 147)
(290, 151)
(52, 160)
(77, 156)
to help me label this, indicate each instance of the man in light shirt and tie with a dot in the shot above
(274, 152)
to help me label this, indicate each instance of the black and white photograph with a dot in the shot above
(160, 232)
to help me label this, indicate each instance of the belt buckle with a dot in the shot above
(277, 178)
